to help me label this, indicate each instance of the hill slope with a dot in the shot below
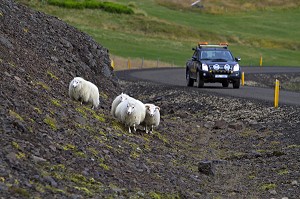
(159, 31)
(52, 147)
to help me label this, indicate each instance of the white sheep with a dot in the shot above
(84, 91)
(120, 98)
(131, 112)
(152, 117)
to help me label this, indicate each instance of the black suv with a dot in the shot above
(213, 63)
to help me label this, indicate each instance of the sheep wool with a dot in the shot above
(120, 98)
(152, 117)
(131, 112)
(84, 91)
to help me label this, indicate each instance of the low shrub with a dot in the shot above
(92, 4)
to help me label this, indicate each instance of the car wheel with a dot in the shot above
(236, 84)
(189, 81)
(200, 82)
(225, 84)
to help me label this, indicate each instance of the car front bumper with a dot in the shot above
(214, 76)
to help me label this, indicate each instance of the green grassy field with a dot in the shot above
(168, 34)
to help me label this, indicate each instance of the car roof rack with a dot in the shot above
(206, 45)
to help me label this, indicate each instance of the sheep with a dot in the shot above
(131, 112)
(84, 91)
(120, 98)
(152, 117)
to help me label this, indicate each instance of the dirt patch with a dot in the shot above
(289, 81)
(53, 147)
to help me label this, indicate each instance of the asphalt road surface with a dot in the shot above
(176, 77)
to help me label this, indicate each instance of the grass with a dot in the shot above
(161, 31)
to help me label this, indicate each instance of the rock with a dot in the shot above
(220, 124)
(37, 159)
(55, 59)
(295, 183)
(50, 180)
(80, 120)
(208, 125)
(12, 157)
(206, 167)
(7, 74)
(3, 187)
(273, 192)
(238, 126)
(5, 42)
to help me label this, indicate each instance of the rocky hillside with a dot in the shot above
(53, 147)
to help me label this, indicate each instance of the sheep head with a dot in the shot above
(77, 81)
(130, 108)
(151, 109)
(123, 97)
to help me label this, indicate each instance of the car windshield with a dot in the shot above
(221, 55)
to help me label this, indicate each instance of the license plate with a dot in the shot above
(221, 76)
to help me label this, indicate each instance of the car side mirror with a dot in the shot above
(238, 59)
(193, 48)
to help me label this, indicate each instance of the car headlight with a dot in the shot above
(204, 67)
(236, 67)
(227, 67)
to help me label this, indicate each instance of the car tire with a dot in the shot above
(236, 84)
(225, 84)
(200, 82)
(189, 81)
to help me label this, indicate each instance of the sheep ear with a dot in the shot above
(157, 107)
(147, 106)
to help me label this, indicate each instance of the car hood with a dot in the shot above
(211, 62)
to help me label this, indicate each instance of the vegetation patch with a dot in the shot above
(15, 115)
(15, 145)
(56, 102)
(69, 147)
(283, 172)
(20, 191)
(103, 95)
(43, 85)
(51, 122)
(267, 187)
(93, 4)
(52, 75)
(82, 111)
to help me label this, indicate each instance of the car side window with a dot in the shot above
(195, 55)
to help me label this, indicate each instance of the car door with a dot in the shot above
(194, 64)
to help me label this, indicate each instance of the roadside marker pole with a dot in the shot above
(128, 64)
(142, 63)
(260, 61)
(243, 78)
(112, 64)
(276, 96)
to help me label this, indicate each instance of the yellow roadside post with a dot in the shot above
(112, 63)
(260, 60)
(243, 78)
(129, 64)
(276, 96)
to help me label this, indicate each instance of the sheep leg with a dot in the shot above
(129, 130)
(151, 129)
(134, 127)
(146, 129)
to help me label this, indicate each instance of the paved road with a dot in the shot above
(176, 77)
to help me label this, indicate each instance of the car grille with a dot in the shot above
(221, 70)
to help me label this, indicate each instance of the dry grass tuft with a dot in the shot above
(217, 6)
